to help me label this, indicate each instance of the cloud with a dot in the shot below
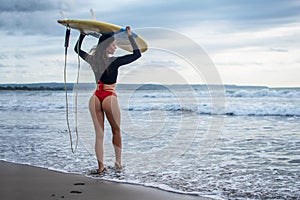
(3, 56)
(31, 17)
(39, 17)
(178, 13)
(32, 5)
(19, 56)
(279, 50)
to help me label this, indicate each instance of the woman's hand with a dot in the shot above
(128, 30)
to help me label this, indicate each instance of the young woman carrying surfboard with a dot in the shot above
(104, 100)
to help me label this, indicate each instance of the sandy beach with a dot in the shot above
(27, 182)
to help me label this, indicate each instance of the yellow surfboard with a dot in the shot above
(92, 26)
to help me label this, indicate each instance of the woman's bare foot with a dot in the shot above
(98, 171)
(118, 166)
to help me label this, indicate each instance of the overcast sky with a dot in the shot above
(250, 42)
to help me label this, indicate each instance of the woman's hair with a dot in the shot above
(98, 58)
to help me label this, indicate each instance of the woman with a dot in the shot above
(104, 100)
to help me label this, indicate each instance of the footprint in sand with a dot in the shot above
(76, 191)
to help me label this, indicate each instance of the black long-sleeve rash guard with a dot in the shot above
(109, 76)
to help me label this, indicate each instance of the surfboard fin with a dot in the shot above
(63, 15)
(93, 14)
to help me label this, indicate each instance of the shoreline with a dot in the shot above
(19, 181)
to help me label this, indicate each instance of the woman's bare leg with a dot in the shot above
(112, 111)
(98, 120)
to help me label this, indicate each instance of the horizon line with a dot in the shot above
(170, 84)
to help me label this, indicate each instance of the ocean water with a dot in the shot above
(174, 138)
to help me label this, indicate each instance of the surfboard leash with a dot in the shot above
(67, 38)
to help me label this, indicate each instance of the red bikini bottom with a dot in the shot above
(101, 93)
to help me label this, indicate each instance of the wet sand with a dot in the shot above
(26, 182)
